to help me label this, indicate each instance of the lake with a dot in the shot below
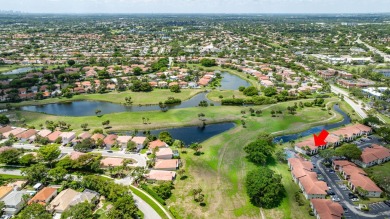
(193, 134)
(292, 137)
(19, 71)
(232, 82)
(88, 108)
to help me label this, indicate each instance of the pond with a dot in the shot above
(315, 130)
(193, 134)
(88, 108)
(232, 82)
(19, 71)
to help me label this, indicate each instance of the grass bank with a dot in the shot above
(149, 201)
(138, 98)
(221, 170)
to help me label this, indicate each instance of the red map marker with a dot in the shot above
(320, 139)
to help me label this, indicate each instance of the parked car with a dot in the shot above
(335, 198)
(355, 200)
(109, 151)
(331, 171)
(330, 192)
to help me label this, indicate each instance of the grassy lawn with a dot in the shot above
(150, 202)
(7, 176)
(381, 175)
(221, 171)
(214, 94)
(173, 118)
(138, 98)
(348, 109)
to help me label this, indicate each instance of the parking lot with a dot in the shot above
(377, 210)
(367, 141)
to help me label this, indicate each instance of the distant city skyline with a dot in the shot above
(197, 6)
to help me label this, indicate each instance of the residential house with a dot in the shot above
(54, 136)
(62, 201)
(44, 196)
(110, 140)
(306, 179)
(97, 136)
(357, 178)
(123, 140)
(74, 155)
(373, 155)
(14, 202)
(307, 147)
(5, 129)
(164, 153)
(14, 132)
(160, 175)
(17, 185)
(67, 137)
(326, 209)
(170, 164)
(157, 144)
(86, 195)
(5, 190)
(140, 141)
(111, 162)
(25, 136)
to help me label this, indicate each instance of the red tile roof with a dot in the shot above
(374, 153)
(327, 209)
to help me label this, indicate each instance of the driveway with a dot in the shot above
(333, 181)
(141, 160)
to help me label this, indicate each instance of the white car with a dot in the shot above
(355, 199)
(335, 198)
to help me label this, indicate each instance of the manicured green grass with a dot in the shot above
(214, 94)
(150, 202)
(381, 175)
(221, 170)
(174, 118)
(7, 176)
(138, 98)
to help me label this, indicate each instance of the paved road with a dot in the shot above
(357, 107)
(353, 213)
(16, 172)
(141, 160)
(149, 212)
(375, 50)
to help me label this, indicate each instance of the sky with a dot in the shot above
(197, 6)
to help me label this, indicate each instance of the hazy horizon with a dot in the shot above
(198, 6)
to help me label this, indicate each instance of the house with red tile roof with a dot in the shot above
(123, 140)
(140, 141)
(307, 147)
(110, 140)
(164, 153)
(301, 171)
(111, 161)
(54, 136)
(160, 175)
(67, 137)
(326, 209)
(5, 129)
(14, 132)
(373, 155)
(169, 164)
(357, 178)
(157, 144)
(97, 136)
(24, 136)
(74, 155)
(44, 196)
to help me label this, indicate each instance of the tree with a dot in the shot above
(131, 146)
(82, 210)
(208, 62)
(166, 137)
(49, 152)
(164, 190)
(260, 150)
(264, 187)
(350, 151)
(33, 211)
(71, 62)
(269, 91)
(372, 120)
(175, 88)
(36, 173)
(196, 147)
(124, 207)
(327, 153)
(250, 91)
(85, 145)
(4, 119)
(84, 126)
(98, 112)
(27, 159)
(57, 174)
(137, 71)
(10, 156)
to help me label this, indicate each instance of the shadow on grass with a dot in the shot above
(183, 177)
